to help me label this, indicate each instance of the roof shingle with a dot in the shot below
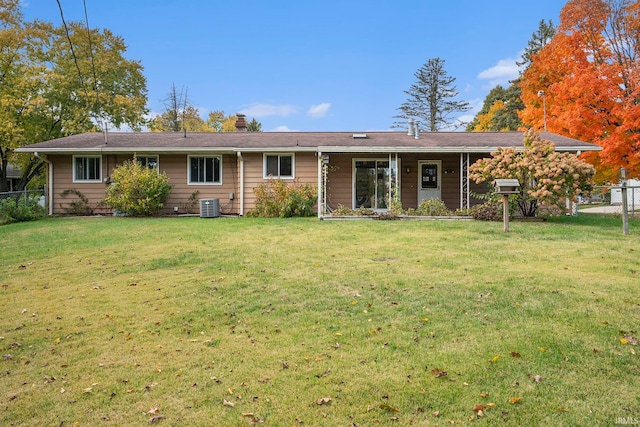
(474, 142)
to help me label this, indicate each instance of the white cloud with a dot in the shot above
(266, 110)
(319, 111)
(283, 129)
(501, 73)
(476, 105)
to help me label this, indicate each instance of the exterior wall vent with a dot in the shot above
(359, 135)
(209, 208)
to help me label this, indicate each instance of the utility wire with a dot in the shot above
(73, 53)
(75, 61)
(93, 64)
(103, 123)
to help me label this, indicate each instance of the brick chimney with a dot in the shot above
(241, 123)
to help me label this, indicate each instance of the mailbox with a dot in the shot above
(507, 186)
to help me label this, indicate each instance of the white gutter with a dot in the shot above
(169, 150)
(385, 150)
(241, 162)
(325, 149)
(49, 181)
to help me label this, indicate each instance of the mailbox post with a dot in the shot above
(506, 187)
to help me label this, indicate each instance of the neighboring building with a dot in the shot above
(13, 177)
(633, 193)
(350, 169)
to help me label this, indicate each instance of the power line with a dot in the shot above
(73, 53)
(93, 65)
(75, 60)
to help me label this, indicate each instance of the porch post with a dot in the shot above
(397, 189)
(464, 181)
(390, 186)
(241, 167)
(321, 200)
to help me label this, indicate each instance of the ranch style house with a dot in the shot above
(350, 169)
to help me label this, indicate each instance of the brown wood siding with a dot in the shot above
(477, 188)
(409, 181)
(63, 180)
(306, 172)
(175, 166)
(451, 180)
(340, 181)
(340, 178)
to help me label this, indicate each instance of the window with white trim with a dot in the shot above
(150, 161)
(87, 168)
(205, 170)
(279, 165)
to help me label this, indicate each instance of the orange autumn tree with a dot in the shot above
(590, 81)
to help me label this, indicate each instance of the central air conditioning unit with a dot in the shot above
(209, 208)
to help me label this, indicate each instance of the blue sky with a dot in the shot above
(305, 65)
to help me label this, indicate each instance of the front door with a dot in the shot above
(429, 180)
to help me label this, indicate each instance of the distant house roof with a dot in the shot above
(338, 142)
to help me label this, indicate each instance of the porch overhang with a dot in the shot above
(437, 150)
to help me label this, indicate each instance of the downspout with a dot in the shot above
(241, 167)
(49, 181)
(321, 200)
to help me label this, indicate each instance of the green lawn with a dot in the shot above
(300, 322)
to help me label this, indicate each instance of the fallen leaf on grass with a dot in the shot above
(537, 378)
(628, 339)
(153, 411)
(515, 400)
(324, 374)
(515, 354)
(495, 359)
(437, 372)
(484, 394)
(323, 401)
(479, 408)
(388, 408)
(253, 418)
(156, 419)
(225, 402)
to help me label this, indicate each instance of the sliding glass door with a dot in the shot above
(372, 184)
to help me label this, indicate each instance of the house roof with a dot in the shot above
(326, 142)
(13, 172)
